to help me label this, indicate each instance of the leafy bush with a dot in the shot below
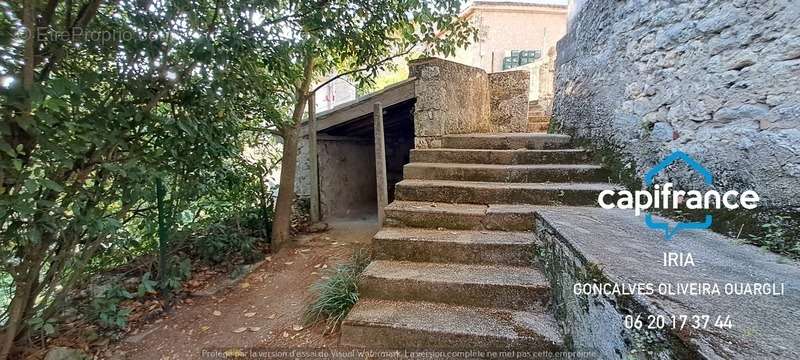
(44, 327)
(221, 243)
(774, 237)
(106, 311)
(337, 294)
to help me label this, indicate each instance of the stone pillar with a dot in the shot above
(380, 162)
(312, 159)
(452, 98)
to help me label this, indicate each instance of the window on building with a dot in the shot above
(520, 57)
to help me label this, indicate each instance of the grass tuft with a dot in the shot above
(337, 294)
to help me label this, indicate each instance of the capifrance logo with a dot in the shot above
(664, 196)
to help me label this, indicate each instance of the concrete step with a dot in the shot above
(459, 216)
(455, 246)
(473, 192)
(510, 157)
(383, 324)
(495, 286)
(506, 141)
(505, 173)
(538, 127)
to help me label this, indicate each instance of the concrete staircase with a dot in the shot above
(454, 266)
(538, 119)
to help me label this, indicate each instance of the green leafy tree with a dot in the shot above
(106, 97)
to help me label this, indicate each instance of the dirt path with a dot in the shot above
(269, 302)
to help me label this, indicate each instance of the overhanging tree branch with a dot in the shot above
(365, 68)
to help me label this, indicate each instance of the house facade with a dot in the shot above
(511, 33)
(517, 35)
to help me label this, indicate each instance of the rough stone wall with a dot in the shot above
(451, 99)
(546, 81)
(398, 149)
(716, 79)
(302, 178)
(593, 324)
(508, 96)
(347, 178)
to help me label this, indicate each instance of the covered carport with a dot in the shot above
(347, 185)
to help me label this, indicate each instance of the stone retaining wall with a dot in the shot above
(716, 79)
(453, 98)
(508, 96)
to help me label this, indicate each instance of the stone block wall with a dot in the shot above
(716, 79)
(451, 99)
(508, 96)
(546, 75)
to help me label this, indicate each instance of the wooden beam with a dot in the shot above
(380, 162)
(391, 95)
(312, 158)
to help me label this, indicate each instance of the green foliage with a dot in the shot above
(232, 239)
(184, 91)
(146, 285)
(106, 310)
(774, 237)
(44, 327)
(337, 294)
(173, 92)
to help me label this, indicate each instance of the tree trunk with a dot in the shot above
(262, 190)
(25, 277)
(25, 272)
(283, 208)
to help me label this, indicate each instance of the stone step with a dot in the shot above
(505, 173)
(495, 286)
(384, 324)
(459, 216)
(473, 192)
(533, 141)
(511, 157)
(538, 127)
(539, 118)
(455, 246)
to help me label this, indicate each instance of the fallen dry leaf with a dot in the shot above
(254, 328)
(240, 330)
(297, 327)
(244, 285)
(250, 314)
(271, 316)
(217, 313)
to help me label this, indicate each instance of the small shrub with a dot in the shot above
(147, 285)
(43, 327)
(774, 237)
(337, 294)
(106, 311)
(220, 243)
